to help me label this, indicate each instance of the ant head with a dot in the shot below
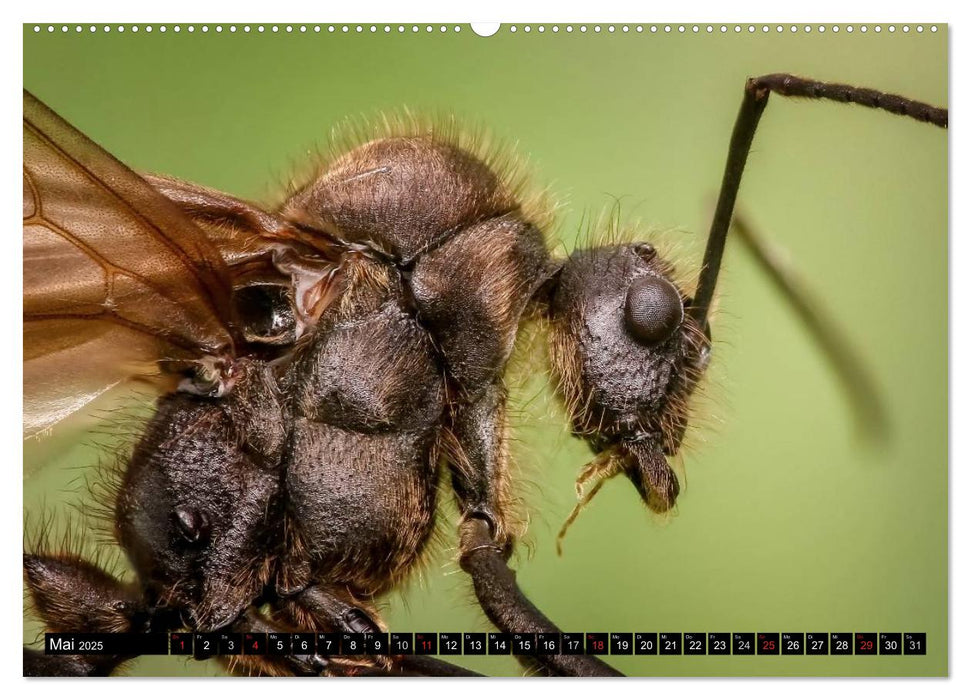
(627, 358)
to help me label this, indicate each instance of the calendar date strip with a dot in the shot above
(493, 644)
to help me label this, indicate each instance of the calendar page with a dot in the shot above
(526, 349)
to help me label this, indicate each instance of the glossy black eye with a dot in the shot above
(193, 524)
(653, 310)
(645, 251)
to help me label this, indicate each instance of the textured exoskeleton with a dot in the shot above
(301, 473)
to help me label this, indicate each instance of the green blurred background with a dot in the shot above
(787, 521)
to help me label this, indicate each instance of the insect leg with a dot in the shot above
(287, 665)
(471, 293)
(508, 608)
(480, 467)
(72, 595)
(327, 610)
(318, 608)
(756, 96)
(296, 664)
(479, 479)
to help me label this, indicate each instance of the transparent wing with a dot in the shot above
(118, 282)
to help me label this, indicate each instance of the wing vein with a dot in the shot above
(157, 233)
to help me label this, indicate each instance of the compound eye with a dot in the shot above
(193, 524)
(653, 310)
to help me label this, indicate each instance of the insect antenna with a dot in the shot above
(755, 98)
(850, 370)
(794, 86)
(754, 101)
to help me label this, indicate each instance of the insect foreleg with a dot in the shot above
(471, 293)
(508, 608)
(479, 471)
(479, 479)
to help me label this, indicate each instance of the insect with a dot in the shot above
(320, 364)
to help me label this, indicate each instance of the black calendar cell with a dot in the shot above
(621, 643)
(548, 642)
(645, 643)
(180, 643)
(500, 643)
(841, 643)
(278, 643)
(449, 643)
(205, 645)
(669, 643)
(230, 644)
(915, 643)
(306, 643)
(865, 643)
(327, 643)
(376, 643)
(352, 644)
(402, 643)
(743, 643)
(719, 643)
(597, 642)
(426, 642)
(572, 643)
(817, 643)
(767, 643)
(523, 644)
(891, 643)
(474, 643)
(793, 643)
(694, 644)
(254, 643)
